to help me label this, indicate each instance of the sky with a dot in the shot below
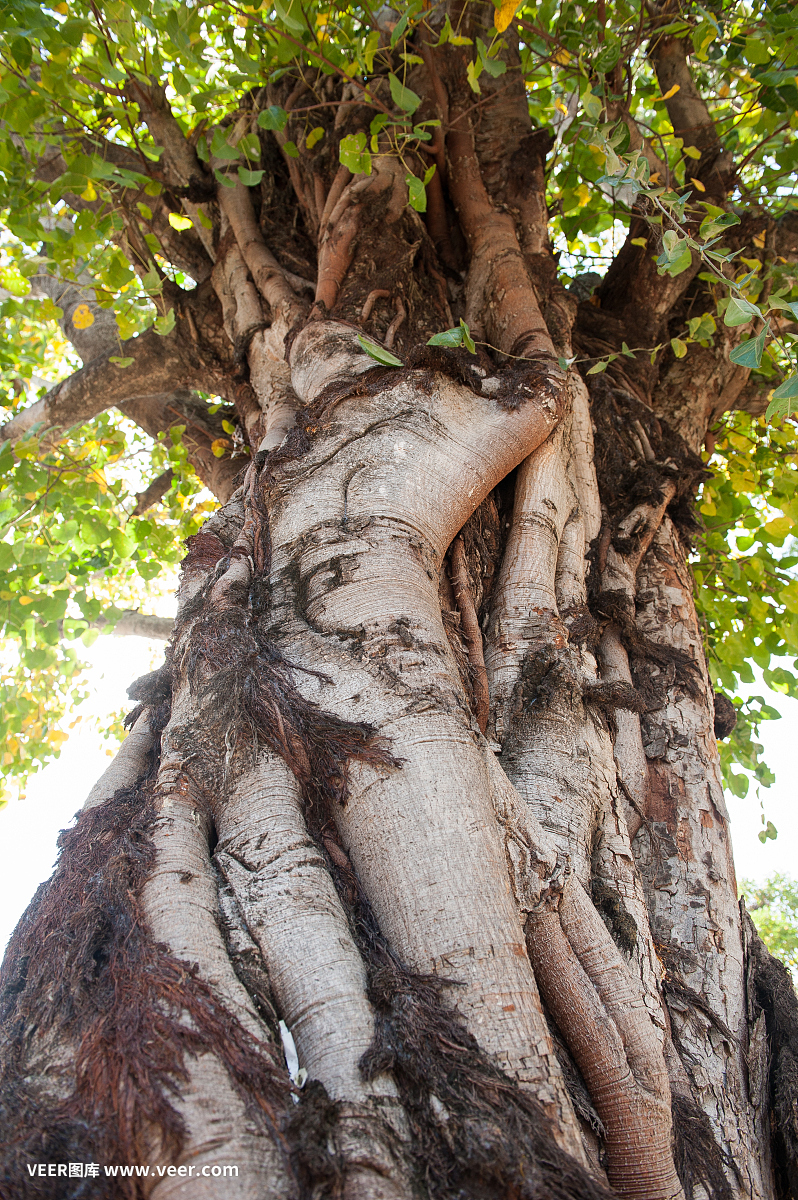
(29, 828)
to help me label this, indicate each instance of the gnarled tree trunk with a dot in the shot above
(430, 773)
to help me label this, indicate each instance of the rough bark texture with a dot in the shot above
(429, 774)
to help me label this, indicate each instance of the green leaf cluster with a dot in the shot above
(773, 906)
(747, 583)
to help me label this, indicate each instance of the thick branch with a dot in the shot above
(690, 116)
(136, 624)
(157, 414)
(497, 274)
(154, 492)
(179, 157)
(101, 337)
(159, 365)
(270, 279)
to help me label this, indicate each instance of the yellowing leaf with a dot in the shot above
(178, 222)
(219, 446)
(779, 527)
(697, 184)
(26, 599)
(505, 14)
(82, 317)
(679, 347)
(639, 242)
(90, 192)
(670, 92)
(583, 195)
(56, 738)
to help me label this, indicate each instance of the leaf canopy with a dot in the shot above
(83, 201)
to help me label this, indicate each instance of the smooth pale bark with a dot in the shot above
(365, 538)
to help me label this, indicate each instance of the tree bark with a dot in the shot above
(429, 774)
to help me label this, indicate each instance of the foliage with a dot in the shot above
(747, 589)
(773, 906)
(71, 553)
(70, 548)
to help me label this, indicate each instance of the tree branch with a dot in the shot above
(690, 117)
(154, 492)
(158, 365)
(497, 270)
(158, 413)
(270, 278)
(136, 624)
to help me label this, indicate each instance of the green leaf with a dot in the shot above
(250, 178)
(290, 148)
(402, 96)
(93, 532)
(287, 12)
(449, 338)
(702, 327)
(121, 362)
(494, 66)
(400, 27)
(447, 34)
(590, 103)
(769, 831)
(473, 72)
(13, 282)
(21, 52)
(416, 193)
(756, 52)
(599, 367)
(221, 148)
(353, 154)
(378, 352)
(716, 222)
(468, 341)
(784, 401)
(314, 136)
(165, 323)
(738, 784)
(273, 117)
(749, 353)
(740, 312)
(122, 544)
(790, 306)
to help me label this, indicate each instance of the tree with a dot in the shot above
(428, 786)
(774, 911)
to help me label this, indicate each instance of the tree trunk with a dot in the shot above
(429, 775)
